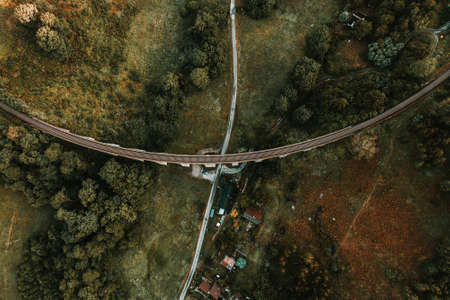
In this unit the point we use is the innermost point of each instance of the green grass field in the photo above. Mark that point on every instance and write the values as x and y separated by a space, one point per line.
268 50
18 221
166 235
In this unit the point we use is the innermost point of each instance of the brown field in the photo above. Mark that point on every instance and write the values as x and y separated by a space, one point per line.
387 215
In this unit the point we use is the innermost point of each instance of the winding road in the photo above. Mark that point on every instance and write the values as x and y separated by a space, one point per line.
223 151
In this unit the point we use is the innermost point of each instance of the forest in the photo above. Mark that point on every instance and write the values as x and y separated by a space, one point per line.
96 200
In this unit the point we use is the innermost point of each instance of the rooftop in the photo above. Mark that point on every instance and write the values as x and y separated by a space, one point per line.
228 262
215 291
254 215
204 287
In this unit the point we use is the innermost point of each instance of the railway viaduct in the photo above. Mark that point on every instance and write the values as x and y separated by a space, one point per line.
234 159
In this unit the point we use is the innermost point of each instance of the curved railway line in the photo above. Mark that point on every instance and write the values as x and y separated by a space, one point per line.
211 160
236 158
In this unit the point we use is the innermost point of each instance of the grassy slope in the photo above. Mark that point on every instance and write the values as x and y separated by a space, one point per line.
90 101
167 233
17 222
269 49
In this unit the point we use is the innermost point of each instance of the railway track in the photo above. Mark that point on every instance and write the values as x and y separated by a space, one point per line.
234 159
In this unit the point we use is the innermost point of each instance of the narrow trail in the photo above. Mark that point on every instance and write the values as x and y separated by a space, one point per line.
11 230
366 202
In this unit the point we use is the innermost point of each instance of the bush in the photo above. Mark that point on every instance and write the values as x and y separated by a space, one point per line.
422 68
26 13
48 39
200 78
302 115
48 19
306 73
259 9
318 43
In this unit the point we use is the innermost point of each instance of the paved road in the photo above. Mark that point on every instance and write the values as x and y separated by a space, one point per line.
198 248
213 160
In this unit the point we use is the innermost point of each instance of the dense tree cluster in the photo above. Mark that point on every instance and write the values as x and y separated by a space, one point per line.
259 9
205 51
310 106
65 35
95 203
49 33
293 274
394 17
433 132
435 274
383 55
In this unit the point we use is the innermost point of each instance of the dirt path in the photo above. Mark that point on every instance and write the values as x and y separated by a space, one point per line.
11 230
366 203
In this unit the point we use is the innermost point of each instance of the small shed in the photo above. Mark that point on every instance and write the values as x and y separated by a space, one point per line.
254 215
228 262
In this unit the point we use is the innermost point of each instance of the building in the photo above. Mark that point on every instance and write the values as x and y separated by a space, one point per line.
254 215
204 287
207 289
228 262
214 292
226 193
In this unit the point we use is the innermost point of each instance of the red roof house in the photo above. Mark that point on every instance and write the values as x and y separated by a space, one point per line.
228 262
254 215
204 287
215 291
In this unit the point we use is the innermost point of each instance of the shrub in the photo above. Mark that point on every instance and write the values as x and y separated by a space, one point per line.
26 13
421 68
50 41
200 78
363 146
318 43
305 73
259 9
48 19
302 114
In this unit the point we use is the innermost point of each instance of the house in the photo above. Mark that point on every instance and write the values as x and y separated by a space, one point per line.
208 289
254 215
215 291
228 262
204 287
